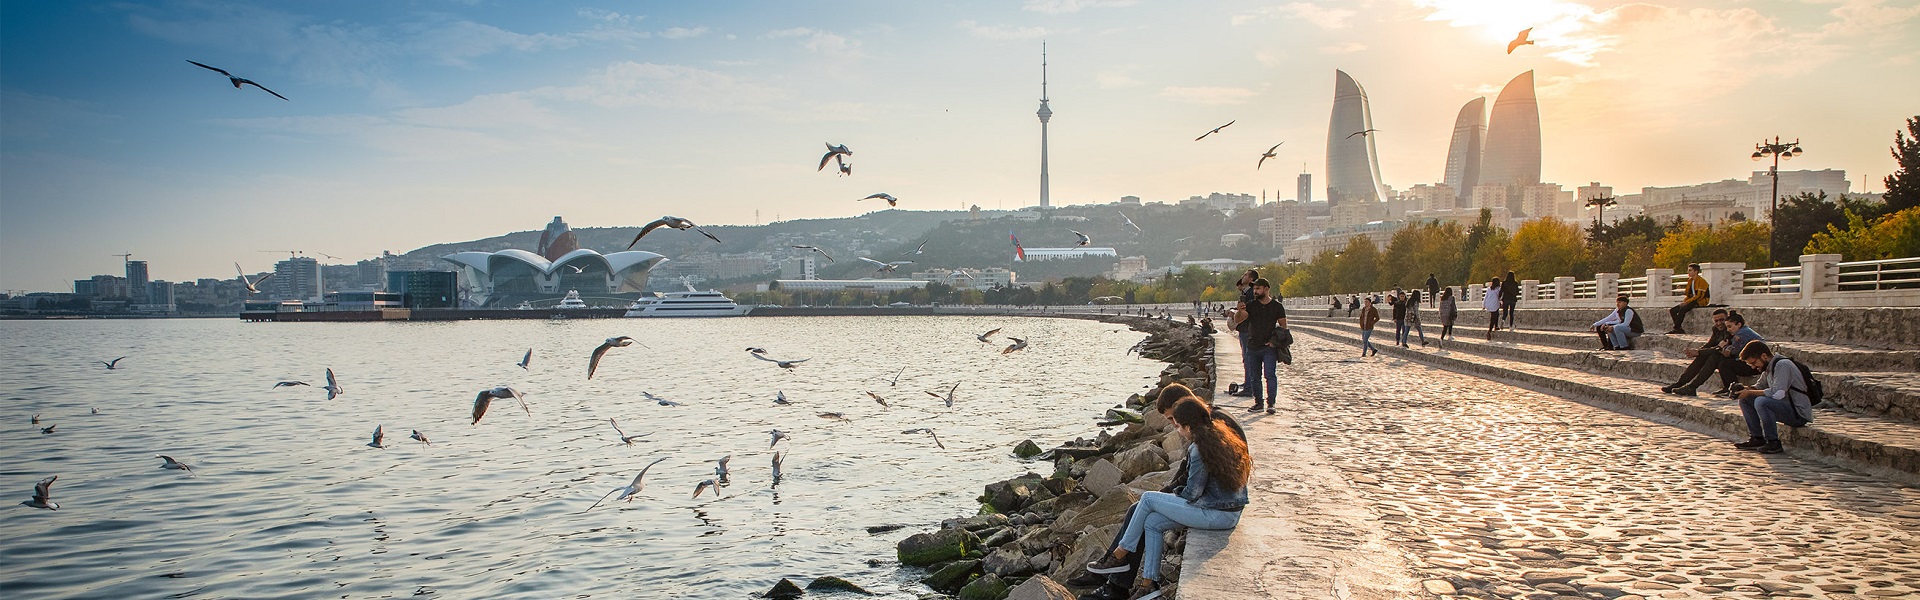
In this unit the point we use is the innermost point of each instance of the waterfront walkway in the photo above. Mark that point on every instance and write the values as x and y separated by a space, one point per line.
1386 478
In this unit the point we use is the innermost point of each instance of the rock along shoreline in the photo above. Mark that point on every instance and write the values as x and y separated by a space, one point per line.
1037 530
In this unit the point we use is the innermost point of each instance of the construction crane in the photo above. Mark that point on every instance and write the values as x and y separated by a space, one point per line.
123 257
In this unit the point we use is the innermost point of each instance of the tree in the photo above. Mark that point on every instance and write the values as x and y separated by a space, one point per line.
1357 267
1418 250
1312 279
1545 248
1490 258
1625 246
1743 242
1903 186
1477 236
1893 236
1799 217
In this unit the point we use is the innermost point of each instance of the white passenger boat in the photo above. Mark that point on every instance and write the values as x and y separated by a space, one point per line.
572 301
690 303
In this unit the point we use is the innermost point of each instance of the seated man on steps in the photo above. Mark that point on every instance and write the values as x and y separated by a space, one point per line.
1114 586
1784 400
1723 362
1616 329
1707 357
1697 297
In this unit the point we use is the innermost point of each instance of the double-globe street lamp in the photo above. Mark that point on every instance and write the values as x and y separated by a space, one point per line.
1778 151
1600 202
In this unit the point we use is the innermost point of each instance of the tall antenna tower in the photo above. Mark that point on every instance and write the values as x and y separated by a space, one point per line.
1046 114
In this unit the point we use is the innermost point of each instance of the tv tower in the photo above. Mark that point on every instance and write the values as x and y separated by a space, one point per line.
1045 115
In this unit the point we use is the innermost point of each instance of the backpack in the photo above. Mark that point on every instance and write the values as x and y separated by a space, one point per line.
1815 391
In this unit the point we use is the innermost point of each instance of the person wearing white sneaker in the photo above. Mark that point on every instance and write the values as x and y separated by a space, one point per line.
1218 468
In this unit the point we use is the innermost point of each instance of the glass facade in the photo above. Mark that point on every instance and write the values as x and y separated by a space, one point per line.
1513 136
1353 166
1463 154
425 289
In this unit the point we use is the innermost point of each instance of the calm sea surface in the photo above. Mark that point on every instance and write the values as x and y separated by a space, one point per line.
289 500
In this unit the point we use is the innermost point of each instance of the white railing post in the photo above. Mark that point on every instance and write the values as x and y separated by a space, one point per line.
1819 273
1725 281
1530 290
1473 292
1563 290
1606 286
1659 283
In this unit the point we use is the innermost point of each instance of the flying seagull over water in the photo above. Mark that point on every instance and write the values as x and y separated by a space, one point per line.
777 456
920 248
378 436
111 364
239 81
959 274
928 431
485 399
1018 345
835 416
1084 240
253 286
949 396
291 384
720 468
784 364
673 222
1520 40
627 492
756 350
659 400
1129 222
877 398
983 337
611 343
420 436
816 249
833 152
891 201
43 495
780 398
896 377
1266 155
173 464
1215 130
846 168
706 484
1361 133
48 429
777 436
884 267
525 360
333 387
624 438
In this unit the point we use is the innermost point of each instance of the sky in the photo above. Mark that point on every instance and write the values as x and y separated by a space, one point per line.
413 122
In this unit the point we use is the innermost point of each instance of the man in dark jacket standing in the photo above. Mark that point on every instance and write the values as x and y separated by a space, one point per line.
1266 321
1433 289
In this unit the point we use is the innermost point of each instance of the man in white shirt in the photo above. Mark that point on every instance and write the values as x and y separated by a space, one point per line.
1784 401
1616 330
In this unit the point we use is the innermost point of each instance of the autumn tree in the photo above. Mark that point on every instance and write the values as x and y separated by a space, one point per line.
1741 242
1357 267
1418 250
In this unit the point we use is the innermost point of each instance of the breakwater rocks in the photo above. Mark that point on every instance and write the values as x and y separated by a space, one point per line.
1034 531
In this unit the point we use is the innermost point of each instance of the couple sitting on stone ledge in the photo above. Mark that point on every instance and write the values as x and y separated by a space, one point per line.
1207 494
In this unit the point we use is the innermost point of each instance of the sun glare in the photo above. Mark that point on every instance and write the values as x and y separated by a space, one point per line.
1561 30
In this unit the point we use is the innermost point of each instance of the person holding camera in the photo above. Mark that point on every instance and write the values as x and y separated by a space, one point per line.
1267 336
1245 285
1784 400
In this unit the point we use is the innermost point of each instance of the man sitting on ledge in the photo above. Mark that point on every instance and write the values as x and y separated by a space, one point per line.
1725 361
1785 399
1697 297
1707 357
1617 328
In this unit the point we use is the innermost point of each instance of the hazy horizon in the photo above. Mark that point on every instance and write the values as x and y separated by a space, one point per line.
427 122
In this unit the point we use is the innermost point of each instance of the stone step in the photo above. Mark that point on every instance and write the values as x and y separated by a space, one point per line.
1885 328
1862 442
1894 395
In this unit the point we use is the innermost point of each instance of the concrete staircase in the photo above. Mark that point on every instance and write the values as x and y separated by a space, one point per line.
1870 421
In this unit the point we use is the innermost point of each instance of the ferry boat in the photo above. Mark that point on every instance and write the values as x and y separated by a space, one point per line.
690 303
572 301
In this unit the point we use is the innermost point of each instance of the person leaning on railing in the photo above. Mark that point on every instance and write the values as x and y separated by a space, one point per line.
1697 296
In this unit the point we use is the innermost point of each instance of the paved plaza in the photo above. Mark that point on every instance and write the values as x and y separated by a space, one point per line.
1475 488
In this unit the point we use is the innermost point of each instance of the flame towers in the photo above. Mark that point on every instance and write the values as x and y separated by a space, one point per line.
1353 167
1513 137
1463 154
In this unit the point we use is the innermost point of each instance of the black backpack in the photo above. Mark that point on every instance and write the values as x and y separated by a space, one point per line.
1815 391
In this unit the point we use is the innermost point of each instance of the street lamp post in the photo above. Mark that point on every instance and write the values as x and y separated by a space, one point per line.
1600 202
1778 151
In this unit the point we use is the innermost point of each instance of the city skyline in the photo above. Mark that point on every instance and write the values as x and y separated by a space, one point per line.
411 125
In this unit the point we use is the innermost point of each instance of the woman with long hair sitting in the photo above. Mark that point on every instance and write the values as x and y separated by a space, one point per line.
1217 471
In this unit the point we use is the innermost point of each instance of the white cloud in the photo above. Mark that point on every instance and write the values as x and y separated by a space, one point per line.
1208 95
455 42
1320 16
669 86
1347 48
1054 7
820 41
1002 32
609 17
1116 78
681 33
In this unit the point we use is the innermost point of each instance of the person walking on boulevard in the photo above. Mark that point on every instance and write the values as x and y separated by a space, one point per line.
1509 298
1449 312
1369 316
1490 300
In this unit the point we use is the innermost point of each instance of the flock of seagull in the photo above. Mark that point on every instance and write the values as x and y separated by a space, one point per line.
43 491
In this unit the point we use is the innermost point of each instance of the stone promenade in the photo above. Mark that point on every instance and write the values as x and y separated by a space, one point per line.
1382 478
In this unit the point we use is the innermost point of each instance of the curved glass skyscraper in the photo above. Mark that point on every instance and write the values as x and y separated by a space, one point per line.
1353 168
1513 136
1463 155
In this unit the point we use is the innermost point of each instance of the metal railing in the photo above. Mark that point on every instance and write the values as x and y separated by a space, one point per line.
1873 275
1777 280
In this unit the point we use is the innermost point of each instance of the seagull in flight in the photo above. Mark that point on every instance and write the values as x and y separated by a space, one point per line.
1018 345
659 400
1129 223
611 343
1215 130
777 456
525 360
784 364
720 468
420 436
671 222
928 431
846 168
816 249
1362 133
983 337
485 399
48 429
291 384
239 81
173 464
626 492
877 398
707 484
891 201
780 398
333 387
834 153
958 274
756 350
835 416
43 495
253 285
777 436
884 267
896 377
1084 240
36 419
919 249
1520 40
1266 155
624 438
111 364
949 396
378 436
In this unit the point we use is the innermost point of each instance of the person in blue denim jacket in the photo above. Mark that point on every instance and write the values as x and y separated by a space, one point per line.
1218 468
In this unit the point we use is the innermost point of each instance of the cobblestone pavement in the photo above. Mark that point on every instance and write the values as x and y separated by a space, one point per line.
1499 492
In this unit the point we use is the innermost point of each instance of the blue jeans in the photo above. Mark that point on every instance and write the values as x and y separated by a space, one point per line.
1156 513
1266 359
1399 332
1621 335
1247 366
1762 412
1366 342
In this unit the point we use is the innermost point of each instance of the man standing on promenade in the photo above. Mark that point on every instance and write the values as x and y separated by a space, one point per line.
1399 304
1433 288
1265 319
1697 296
1245 285
1509 298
